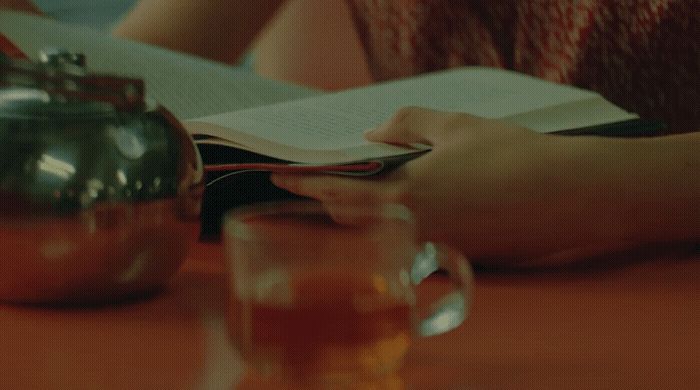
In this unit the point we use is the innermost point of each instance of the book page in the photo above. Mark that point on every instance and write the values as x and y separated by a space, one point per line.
188 86
572 115
337 121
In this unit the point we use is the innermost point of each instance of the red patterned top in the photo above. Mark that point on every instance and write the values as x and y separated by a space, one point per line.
640 54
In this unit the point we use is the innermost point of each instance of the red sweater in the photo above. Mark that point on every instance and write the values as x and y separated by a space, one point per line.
642 55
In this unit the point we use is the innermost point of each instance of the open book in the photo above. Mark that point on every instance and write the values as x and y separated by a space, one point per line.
245 123
328 129
226 106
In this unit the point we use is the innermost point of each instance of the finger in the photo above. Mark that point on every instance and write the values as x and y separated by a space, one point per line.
406 126
337 189
421 125
354 214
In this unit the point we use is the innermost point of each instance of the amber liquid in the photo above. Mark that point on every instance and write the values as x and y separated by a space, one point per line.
339 326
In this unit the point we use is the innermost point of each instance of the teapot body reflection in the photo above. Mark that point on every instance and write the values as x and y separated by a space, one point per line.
96 186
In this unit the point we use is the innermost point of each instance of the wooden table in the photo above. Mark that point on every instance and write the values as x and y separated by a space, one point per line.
635 325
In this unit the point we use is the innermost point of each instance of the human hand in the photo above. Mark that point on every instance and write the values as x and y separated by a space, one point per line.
503 194
485 187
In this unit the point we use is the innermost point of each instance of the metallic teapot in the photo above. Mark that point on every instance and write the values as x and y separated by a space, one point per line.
98 186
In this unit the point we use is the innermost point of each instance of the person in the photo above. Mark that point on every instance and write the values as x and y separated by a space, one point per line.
496 191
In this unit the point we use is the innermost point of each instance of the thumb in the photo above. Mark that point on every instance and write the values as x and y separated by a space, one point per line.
410 125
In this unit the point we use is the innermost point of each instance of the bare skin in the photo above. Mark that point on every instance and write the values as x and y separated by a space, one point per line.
308 42
501 193
495 191
313 43
216 29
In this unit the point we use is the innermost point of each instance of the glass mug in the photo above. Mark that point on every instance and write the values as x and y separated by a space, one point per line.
326 293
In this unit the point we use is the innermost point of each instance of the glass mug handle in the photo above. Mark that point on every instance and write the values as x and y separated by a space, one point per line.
449 311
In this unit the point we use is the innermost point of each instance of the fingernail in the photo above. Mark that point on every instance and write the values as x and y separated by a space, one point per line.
369 131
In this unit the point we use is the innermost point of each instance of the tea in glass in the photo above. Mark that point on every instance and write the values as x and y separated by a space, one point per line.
325 293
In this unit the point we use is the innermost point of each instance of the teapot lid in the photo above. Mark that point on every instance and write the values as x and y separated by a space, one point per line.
59 86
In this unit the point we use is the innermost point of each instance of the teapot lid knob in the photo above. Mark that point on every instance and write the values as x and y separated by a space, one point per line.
63 75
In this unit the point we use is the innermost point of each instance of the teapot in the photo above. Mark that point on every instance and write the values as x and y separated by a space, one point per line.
99 185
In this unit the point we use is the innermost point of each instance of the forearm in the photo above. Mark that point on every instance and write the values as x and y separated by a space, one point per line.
217 29
614 192
660 180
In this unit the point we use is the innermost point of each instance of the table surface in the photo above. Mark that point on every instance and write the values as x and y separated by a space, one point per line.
632 325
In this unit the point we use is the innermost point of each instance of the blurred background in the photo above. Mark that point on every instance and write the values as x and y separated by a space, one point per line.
101 14
344 68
